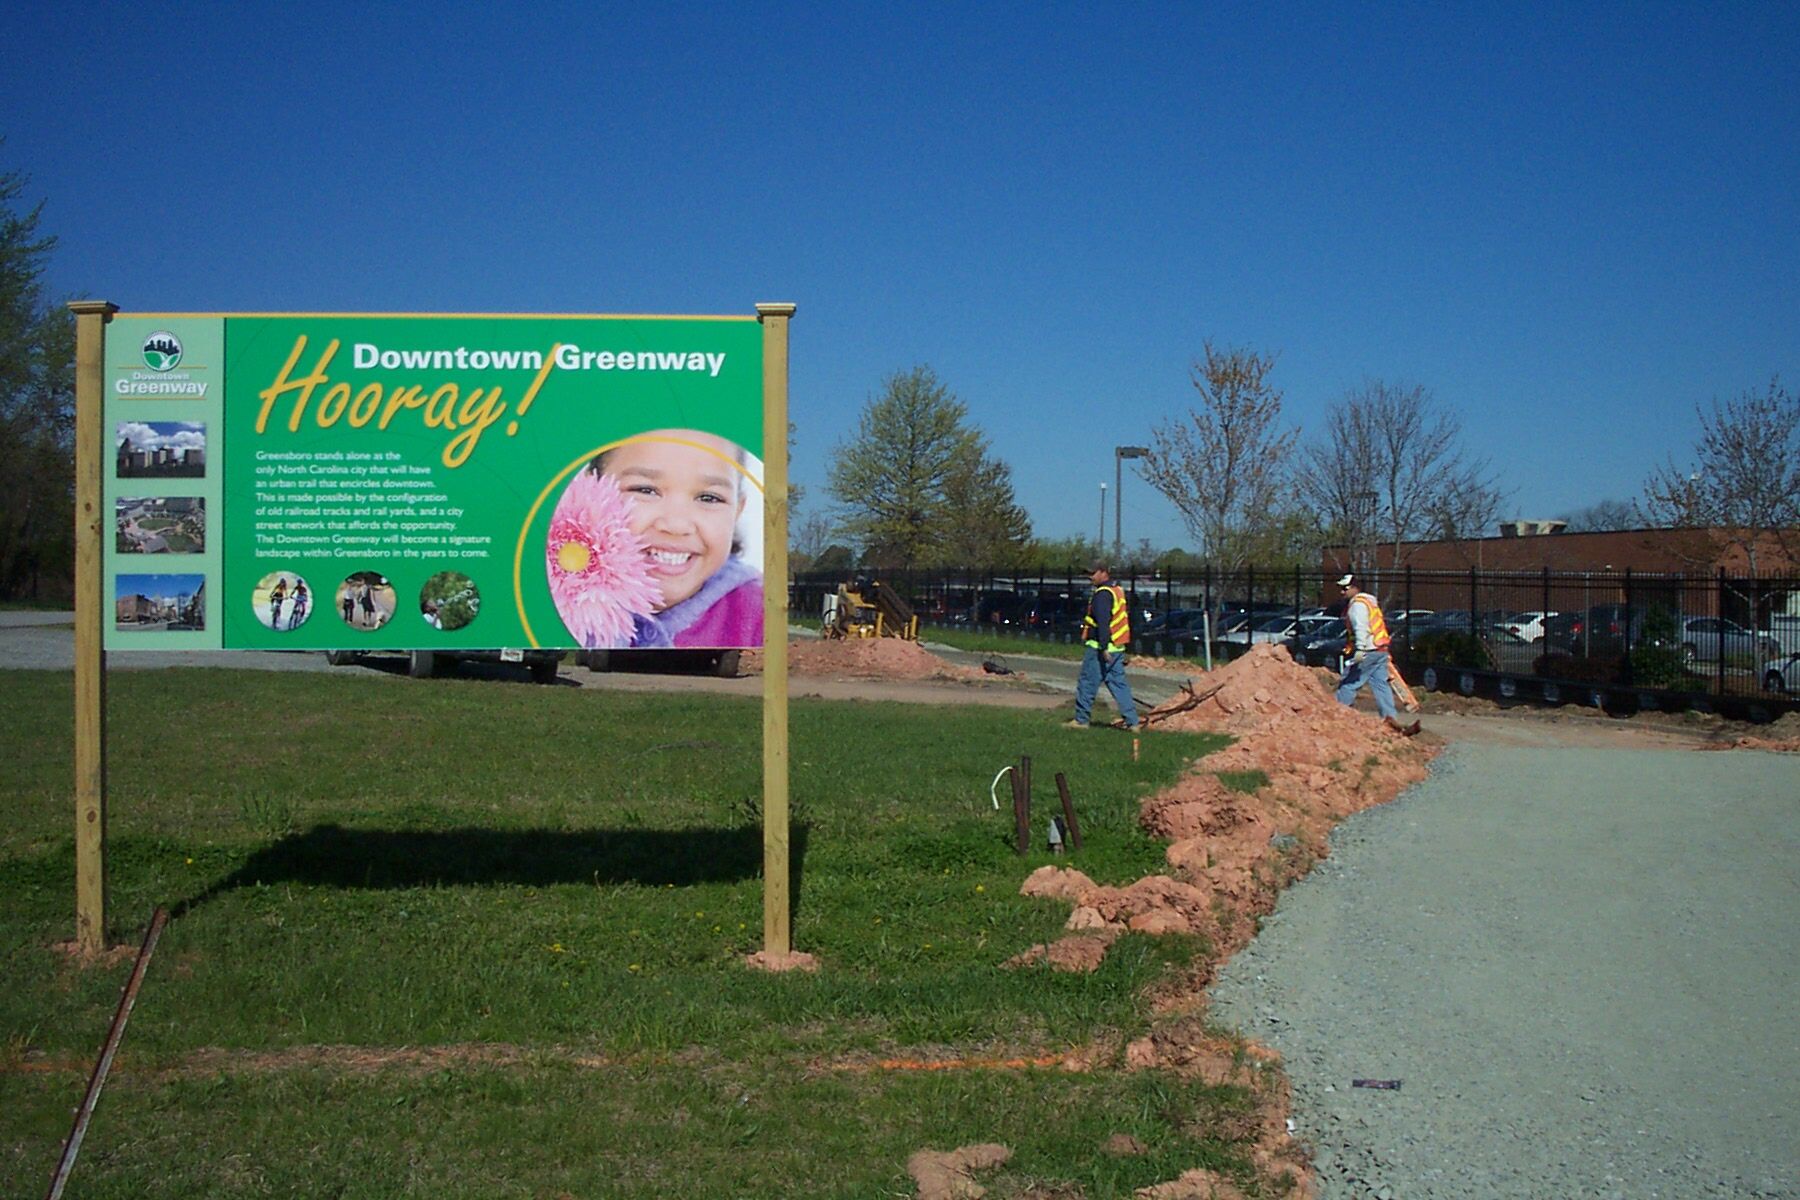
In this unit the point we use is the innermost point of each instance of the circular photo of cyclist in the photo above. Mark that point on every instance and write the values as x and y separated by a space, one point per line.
281 600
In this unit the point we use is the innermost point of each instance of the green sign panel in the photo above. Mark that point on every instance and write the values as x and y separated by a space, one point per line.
412 482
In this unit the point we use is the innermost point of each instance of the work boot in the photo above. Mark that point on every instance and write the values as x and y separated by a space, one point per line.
1403 730
1075 724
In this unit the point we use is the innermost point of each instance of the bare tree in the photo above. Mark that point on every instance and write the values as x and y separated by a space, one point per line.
1744 484
1225 466
812 533
1466 509
1605 516
1392 462
1335 479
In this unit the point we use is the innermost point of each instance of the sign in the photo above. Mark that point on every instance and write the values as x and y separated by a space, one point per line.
312 482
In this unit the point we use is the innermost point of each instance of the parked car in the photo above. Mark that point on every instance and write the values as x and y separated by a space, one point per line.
1177 622
1785 629
946 608
1607 628
1446 620
1000 608
1268 629
1705 639
723 663
1321 646
1528 625
1056 610
421 664
1782 675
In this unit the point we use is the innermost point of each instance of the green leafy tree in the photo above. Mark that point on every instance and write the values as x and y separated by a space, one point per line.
917 486
984 525
37 409
1054 556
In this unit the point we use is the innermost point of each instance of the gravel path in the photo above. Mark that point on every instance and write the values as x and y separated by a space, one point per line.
1581 964
43 641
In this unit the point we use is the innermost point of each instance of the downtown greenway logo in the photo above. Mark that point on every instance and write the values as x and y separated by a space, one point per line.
162 351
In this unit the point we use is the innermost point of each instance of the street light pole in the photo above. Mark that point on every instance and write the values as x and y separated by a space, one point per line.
1100 542
1120 454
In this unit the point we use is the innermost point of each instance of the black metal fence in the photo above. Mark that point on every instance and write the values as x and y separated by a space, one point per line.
1608 638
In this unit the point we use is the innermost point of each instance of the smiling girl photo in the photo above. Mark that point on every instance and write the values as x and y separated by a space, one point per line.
656 543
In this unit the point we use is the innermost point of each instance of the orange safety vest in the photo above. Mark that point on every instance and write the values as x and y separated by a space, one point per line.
1378 631
1120 633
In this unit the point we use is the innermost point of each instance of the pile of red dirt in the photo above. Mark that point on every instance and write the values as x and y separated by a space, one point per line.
1301 762
1781 735
870 658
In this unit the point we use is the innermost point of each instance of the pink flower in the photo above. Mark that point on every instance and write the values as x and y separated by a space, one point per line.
599 575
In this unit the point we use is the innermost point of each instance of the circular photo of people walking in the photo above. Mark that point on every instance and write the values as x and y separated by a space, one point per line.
449 600
366 600
281 600
658 542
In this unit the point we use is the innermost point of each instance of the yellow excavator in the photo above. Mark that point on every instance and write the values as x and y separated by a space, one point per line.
868 609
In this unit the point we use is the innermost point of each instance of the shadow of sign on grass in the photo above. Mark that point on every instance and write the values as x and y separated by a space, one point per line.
333 856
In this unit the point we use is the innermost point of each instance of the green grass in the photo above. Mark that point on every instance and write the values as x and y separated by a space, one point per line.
982 641
571 877
1244 781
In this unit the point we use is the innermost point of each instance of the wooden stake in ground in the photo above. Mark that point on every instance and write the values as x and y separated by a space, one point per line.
1021 810
777 928
91 317
1068 807
115 1034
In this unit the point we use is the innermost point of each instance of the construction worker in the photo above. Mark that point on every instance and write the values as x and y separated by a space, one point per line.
1366 654
1105 631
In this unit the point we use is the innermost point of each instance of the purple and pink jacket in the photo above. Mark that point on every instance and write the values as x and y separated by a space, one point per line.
727 612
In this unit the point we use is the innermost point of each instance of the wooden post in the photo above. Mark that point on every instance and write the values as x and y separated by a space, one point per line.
1025 792
91 317
1068 807
1021 810
777 924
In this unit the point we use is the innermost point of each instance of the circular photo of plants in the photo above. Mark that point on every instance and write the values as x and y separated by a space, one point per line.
449 600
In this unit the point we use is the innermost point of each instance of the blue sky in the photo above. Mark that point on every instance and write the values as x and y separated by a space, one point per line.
1571 222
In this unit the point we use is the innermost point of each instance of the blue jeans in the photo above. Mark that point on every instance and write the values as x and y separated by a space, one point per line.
1112 673
1370 667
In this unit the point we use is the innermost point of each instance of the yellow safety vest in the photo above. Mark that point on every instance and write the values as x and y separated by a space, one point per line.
1120 633
1378 631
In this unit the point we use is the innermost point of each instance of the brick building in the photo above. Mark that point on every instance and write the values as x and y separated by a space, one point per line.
1644 551
1681 567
